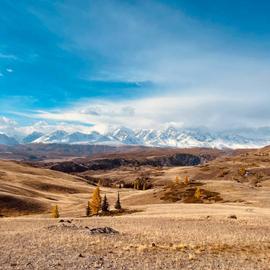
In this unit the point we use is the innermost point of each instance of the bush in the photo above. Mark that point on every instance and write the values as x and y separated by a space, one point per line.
242 171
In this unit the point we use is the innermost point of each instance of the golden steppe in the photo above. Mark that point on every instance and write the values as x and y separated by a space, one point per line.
233 233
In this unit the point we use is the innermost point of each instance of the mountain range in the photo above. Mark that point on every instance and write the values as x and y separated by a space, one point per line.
169 137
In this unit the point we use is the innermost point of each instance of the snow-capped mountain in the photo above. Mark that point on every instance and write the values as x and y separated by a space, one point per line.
6 140
54 137
61 136
32 137
125 136
169 137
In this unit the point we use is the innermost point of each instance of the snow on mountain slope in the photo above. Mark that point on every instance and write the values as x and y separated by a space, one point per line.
32 137
169 137
125 136
6 140
61 136
54 137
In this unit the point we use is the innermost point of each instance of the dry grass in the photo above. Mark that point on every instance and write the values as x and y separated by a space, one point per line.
174 236
154 234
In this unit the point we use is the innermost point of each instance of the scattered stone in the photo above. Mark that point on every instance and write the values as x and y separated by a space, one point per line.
105 230
232 216
80 255
153 245
67 221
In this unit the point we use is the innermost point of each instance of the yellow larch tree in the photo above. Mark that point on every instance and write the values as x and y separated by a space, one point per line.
186 180
177 180
95 204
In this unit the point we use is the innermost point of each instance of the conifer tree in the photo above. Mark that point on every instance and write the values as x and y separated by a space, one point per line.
88 209
96 201
118 203
105 205
55 212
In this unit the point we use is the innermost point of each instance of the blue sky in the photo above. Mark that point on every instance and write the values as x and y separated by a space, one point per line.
135 63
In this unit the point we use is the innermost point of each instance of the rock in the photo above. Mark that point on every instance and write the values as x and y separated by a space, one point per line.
153 244
62 221
81 256
105 230
232 216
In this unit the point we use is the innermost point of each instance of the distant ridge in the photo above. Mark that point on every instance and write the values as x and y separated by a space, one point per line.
169 137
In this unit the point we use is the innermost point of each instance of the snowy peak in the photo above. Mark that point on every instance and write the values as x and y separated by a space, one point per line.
32 137
54 137
125 136
6 140
169 137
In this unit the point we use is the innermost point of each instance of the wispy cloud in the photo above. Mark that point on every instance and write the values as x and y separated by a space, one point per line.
8 56
212 111
202 74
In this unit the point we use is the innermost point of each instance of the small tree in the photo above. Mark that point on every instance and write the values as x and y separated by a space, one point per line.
88 210
118 203
55 212
197 194
177 180
144 186
186 181
96 201
105 205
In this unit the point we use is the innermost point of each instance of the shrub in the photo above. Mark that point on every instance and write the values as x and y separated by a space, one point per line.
96 201
242 171
55 212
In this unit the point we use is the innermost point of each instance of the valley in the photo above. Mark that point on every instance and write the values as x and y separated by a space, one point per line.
164 224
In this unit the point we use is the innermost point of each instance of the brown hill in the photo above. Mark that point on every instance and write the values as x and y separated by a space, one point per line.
25 189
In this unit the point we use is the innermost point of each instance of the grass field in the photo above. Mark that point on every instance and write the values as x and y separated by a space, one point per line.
230 234
167 236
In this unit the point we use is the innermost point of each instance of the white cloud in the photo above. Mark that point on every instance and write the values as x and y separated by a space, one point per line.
5 121
7 56
212 111
10 70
